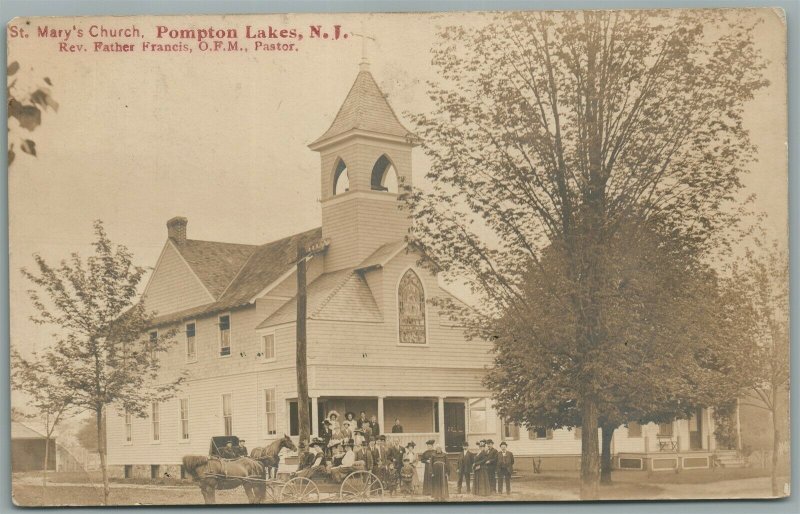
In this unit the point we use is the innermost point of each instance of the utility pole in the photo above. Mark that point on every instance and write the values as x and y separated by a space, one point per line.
303 414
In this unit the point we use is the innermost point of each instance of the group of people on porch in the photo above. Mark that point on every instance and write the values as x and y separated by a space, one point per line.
356 444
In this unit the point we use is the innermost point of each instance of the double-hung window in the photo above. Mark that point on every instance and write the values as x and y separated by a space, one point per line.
191 345
225 335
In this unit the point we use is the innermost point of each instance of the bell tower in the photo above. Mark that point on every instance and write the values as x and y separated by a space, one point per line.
365 155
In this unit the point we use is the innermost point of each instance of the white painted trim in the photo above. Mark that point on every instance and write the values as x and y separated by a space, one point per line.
158 262
387 260
263 357
181 440
160 422
397 309
219 335
222 412
278 281
360 194
263 413
352 133
186 342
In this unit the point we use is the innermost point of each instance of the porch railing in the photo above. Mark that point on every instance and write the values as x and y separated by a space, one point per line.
419 438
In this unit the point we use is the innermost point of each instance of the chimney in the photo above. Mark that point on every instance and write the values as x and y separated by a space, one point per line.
176 229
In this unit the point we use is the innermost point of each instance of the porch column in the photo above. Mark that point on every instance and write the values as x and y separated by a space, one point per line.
314 416
441 421
381 421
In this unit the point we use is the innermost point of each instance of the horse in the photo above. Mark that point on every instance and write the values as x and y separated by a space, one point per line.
270 456
215 473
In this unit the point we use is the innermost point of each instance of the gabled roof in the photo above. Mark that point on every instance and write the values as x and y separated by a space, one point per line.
338 295
262 266
20 431
382 255
215 264
365 108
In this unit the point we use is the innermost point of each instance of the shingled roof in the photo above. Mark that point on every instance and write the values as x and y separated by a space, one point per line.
242 271
365 108
338 295
215 264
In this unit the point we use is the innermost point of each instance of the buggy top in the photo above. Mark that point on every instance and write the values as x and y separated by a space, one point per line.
219 442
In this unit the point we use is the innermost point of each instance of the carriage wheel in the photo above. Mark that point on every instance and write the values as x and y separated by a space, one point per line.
272 494
361 486
300 490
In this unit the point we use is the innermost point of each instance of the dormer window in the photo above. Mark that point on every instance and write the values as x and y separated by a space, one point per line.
341 180
411 309
384 176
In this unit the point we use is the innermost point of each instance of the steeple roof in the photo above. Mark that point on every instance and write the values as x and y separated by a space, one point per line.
365 108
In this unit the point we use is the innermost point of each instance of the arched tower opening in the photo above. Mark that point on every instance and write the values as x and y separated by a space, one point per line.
341 180
384 175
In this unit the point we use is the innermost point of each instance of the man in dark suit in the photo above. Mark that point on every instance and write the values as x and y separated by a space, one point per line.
491 465
379 454
365 454
505 466
464 466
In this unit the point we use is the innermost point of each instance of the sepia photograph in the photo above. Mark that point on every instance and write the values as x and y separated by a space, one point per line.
513 256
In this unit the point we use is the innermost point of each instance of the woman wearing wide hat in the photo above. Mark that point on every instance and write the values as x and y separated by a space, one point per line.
411 456
427 459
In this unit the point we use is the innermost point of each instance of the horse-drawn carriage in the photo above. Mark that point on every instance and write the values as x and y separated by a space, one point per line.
220 471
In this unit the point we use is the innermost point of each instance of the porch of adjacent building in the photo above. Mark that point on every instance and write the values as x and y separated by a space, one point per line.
444 419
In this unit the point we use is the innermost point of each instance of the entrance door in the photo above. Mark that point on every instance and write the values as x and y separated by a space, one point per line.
454 426
696 430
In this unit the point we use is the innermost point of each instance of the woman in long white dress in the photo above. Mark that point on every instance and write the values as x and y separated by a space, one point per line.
411 455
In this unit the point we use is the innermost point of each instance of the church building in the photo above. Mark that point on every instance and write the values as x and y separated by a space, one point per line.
376 343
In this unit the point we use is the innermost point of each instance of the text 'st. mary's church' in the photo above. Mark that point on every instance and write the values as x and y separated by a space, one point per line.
376 343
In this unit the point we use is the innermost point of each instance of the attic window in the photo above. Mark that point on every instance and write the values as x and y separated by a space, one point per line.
384 176
341 181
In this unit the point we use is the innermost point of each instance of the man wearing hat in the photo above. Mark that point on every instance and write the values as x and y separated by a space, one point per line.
505 466
338 473
491 465
364 454
379 453
464 465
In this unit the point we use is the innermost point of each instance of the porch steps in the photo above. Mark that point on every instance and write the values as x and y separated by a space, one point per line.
731 460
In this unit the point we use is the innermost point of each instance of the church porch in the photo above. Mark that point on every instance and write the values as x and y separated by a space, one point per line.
444 419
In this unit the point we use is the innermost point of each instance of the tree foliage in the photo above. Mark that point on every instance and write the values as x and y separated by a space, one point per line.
558 142
100 357
26 105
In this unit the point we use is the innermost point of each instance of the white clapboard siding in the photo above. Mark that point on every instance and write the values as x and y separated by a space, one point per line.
174 286
205 418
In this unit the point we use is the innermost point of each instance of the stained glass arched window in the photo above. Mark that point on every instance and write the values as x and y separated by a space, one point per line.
411 309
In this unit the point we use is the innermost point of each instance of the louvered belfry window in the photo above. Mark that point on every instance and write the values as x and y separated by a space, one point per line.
411 309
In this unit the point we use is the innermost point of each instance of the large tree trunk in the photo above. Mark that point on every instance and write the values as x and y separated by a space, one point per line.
590 460
605 460
101 449
775 444
301 364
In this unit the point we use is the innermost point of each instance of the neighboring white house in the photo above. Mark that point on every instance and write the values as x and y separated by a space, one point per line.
375 342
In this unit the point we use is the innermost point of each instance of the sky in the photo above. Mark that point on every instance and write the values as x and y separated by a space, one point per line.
221 138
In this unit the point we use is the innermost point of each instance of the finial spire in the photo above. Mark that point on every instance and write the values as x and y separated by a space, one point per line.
364 64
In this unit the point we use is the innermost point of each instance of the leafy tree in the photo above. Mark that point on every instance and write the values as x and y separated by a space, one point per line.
762 279
26 107
99 357
87 434
45 392
554 132
665 317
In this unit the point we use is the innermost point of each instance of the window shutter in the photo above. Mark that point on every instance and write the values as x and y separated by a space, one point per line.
549 433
